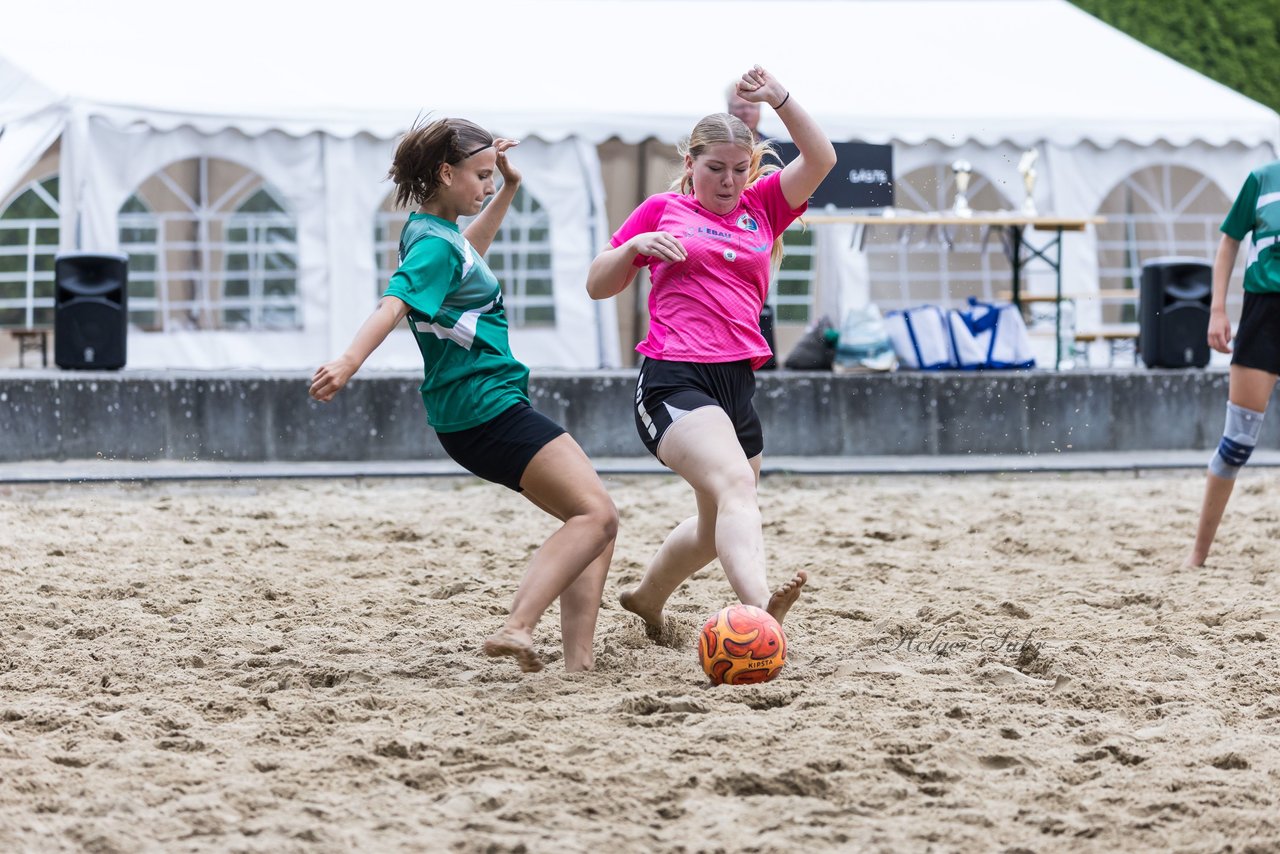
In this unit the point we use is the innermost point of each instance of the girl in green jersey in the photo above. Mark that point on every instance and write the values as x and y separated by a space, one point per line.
476 394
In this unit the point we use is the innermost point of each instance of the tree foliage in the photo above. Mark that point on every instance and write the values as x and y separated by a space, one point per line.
1236 43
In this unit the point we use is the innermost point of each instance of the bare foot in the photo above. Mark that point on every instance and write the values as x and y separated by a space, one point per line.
785 596
1195 560
654 621
518 645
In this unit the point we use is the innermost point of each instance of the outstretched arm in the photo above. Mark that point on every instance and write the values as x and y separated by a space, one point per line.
816 154
332 376
1219 324
481 232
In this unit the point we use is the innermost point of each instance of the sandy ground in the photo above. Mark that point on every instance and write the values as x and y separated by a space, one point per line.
980 664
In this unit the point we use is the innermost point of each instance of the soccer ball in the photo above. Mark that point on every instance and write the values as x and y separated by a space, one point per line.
740 645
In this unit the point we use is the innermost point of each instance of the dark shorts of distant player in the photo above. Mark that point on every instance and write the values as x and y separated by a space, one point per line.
665 391
1257 341
500 449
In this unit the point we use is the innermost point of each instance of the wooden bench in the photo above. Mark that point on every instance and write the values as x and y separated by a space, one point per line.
1117 336
33 338
1110 295
1121 335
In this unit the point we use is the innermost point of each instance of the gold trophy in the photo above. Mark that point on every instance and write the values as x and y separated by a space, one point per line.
1027 166
963 174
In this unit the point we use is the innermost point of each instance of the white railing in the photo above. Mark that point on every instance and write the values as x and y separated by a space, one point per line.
189 283
27 250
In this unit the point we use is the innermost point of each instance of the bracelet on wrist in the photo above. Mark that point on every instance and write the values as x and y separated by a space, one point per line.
783 102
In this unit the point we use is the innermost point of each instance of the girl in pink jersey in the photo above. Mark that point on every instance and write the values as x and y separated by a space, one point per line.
710 246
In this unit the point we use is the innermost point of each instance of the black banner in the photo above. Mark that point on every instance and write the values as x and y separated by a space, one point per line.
862 177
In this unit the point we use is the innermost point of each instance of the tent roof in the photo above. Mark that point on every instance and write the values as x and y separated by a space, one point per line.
21 94
1022 71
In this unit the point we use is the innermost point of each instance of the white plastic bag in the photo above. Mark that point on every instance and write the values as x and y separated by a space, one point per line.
864 343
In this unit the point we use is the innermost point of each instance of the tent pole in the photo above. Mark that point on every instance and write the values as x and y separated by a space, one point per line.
642 193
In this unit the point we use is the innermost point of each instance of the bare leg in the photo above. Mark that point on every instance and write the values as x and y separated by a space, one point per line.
702 447
1251 389
579 608
1217 491
687 549
560 480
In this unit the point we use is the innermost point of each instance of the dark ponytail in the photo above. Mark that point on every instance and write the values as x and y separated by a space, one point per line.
415 169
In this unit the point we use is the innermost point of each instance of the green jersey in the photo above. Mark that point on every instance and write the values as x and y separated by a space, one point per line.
456 314
1257 210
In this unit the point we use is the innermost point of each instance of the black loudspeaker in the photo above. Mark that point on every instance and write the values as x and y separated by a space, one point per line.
766 329
1173 312
90 311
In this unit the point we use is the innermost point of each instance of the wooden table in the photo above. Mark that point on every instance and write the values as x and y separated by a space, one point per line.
1012 225
34 338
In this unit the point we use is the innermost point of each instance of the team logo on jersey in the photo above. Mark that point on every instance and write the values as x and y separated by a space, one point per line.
729 255
746 223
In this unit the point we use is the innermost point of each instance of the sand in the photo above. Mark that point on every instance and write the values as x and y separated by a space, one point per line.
979 664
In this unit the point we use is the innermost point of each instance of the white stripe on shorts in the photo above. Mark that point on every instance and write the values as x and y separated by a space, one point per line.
644 415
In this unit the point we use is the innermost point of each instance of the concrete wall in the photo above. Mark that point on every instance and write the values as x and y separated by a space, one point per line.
136 415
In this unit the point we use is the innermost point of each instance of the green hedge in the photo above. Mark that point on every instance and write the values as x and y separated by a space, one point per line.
1235 43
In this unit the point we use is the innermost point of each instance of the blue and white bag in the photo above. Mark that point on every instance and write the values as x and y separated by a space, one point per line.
989 335
921 338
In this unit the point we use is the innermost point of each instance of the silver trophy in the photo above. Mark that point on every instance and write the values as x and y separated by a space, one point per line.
1027 166
963 174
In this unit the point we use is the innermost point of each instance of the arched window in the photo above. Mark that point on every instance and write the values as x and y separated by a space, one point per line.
260 290
1154 212
520 257
944 265
28 244
211 246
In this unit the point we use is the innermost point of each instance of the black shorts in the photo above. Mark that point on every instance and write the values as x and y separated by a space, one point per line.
499 450
1257 342
665 391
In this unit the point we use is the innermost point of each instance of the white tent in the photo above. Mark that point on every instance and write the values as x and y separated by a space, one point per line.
314 102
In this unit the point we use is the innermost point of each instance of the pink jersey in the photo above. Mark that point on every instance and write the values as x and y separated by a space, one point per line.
707 307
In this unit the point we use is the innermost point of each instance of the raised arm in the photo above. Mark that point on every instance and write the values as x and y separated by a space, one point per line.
816 155
332 376
1219 323
481 232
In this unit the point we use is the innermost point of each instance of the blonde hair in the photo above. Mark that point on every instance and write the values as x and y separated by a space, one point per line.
720 128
